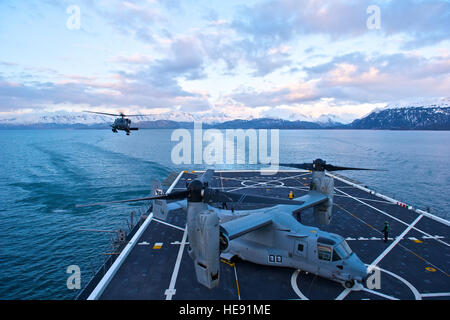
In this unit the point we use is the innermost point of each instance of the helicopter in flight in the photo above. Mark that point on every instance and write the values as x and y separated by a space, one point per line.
121 123
269 236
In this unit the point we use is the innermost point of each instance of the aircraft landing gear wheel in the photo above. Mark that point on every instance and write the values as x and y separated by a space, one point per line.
349 284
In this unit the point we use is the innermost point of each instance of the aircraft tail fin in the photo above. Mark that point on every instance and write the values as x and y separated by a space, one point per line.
160 209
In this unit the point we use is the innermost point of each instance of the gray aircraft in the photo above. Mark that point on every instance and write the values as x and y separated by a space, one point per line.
121 123
269 236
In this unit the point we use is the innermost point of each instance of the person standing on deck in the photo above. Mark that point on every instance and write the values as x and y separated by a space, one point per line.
386 231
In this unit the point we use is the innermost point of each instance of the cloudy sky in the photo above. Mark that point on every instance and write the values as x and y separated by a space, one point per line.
241 59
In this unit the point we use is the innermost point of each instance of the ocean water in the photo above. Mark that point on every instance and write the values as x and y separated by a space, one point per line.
44 173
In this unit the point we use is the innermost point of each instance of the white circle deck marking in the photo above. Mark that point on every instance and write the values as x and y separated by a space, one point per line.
295 286
253 184
416 293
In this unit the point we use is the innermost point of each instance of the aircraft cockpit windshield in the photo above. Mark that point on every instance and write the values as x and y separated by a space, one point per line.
343 250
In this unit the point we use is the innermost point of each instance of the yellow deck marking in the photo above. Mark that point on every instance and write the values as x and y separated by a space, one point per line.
157 245
233 265
356 217
238 292
227 262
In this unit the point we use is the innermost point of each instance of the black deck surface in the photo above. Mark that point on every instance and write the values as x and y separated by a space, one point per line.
415 267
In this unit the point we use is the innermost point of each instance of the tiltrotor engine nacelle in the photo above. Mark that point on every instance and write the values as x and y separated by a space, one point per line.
325 185
203 233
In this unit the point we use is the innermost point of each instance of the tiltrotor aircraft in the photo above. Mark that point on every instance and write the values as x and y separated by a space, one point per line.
268 236
121 123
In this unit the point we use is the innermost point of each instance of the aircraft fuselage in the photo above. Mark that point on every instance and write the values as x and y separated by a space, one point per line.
288 243
122 124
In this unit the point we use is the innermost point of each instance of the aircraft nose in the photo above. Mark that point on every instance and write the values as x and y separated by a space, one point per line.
363 271
359 268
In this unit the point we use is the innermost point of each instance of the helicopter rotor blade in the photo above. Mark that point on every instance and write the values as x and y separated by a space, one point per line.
108 114
178 195
322 166
304 166
330 167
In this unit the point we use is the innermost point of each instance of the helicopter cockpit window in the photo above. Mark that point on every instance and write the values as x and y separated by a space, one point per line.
336 256
343 249
324 252
326 241
346 247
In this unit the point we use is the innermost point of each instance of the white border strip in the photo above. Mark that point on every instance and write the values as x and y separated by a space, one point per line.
175 182
437 294
101 286
171 291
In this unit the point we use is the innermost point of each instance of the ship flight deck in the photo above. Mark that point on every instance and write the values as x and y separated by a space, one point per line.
414 263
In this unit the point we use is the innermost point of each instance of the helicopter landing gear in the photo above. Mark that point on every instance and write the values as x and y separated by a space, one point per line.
349 284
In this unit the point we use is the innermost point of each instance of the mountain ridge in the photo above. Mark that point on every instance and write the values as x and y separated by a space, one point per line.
432 116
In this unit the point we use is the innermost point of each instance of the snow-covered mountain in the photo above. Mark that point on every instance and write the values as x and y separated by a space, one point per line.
59 119
422 115
82 119
431 115
422 103
332 120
